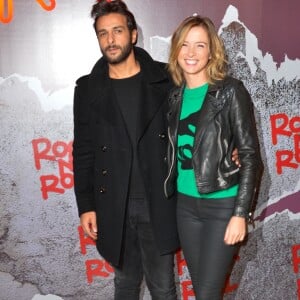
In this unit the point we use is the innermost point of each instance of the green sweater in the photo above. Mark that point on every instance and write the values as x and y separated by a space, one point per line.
186 182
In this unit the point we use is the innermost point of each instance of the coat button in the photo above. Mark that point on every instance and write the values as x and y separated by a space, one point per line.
162 135
102 190
103 148
104 172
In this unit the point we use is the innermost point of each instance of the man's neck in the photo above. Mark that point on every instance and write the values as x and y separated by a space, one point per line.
124 69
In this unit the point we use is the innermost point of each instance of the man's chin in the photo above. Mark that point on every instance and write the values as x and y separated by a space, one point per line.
117 57
113 60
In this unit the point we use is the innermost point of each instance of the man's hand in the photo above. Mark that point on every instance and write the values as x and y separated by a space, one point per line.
235 157
236 230
89 224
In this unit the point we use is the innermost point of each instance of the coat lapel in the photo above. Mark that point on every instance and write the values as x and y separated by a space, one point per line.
154 92
103 99
152 98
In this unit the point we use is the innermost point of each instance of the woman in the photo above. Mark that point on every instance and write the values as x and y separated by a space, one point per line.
210 115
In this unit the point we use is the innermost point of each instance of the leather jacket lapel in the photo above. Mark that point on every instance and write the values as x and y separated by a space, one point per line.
210 108
175 102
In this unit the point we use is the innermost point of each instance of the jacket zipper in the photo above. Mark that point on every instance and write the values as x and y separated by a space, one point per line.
172 162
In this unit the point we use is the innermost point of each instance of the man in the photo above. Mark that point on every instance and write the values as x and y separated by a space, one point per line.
119 152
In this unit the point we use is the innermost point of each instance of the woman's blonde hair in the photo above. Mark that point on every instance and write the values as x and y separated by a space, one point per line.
217 66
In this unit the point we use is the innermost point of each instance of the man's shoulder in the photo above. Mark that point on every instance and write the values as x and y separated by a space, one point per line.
150 65
83 80
98 69
160 73
161 64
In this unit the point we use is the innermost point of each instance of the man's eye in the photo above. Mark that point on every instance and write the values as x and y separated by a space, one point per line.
102 34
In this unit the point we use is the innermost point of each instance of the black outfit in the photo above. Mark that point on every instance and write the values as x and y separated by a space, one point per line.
201 226
225 122
128 94
119 159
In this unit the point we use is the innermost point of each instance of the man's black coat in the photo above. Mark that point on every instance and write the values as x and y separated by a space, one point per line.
102 155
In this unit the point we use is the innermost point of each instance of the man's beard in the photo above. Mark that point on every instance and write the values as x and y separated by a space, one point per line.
125 52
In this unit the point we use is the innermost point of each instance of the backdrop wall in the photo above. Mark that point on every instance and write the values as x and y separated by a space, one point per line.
45 47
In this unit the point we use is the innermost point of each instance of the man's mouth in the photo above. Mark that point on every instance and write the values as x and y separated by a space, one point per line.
112 49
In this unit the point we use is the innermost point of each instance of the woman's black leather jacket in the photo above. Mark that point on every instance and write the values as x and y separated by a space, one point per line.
226 121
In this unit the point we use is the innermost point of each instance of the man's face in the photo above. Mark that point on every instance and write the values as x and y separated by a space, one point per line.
115 40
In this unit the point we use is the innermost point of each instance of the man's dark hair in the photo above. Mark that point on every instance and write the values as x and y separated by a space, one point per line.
105 7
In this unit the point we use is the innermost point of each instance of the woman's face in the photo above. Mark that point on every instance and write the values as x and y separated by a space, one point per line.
194 54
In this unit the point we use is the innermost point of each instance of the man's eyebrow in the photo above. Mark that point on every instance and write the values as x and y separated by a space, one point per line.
119 27
115 27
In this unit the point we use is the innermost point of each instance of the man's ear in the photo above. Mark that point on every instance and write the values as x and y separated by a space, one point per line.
134 36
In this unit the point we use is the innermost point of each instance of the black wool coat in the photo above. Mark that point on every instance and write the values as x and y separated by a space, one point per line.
102 155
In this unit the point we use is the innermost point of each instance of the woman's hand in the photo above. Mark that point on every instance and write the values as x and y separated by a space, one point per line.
236 230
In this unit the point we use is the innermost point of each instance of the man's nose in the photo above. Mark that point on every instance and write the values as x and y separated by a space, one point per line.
110 37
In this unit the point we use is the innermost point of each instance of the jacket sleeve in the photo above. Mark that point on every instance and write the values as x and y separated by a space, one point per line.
83 154
246 140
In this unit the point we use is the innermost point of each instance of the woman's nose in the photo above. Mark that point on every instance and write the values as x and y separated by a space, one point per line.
191 51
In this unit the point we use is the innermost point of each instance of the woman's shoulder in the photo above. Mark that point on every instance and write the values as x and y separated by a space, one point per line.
232 81
228 84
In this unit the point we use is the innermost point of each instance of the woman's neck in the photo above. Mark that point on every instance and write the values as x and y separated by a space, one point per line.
195 80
